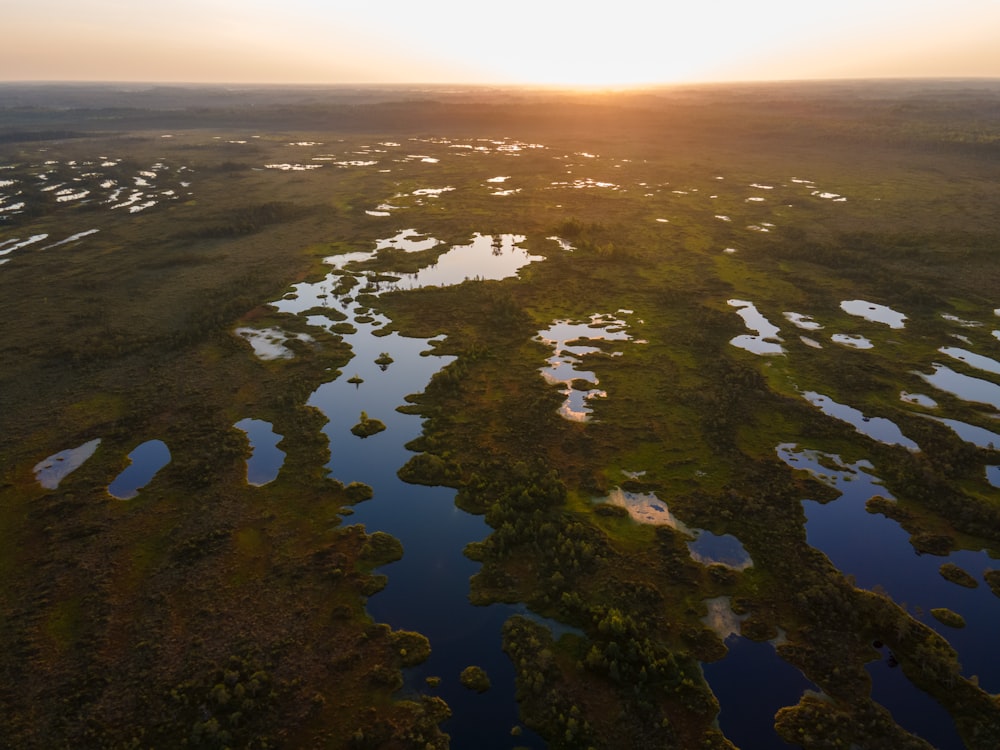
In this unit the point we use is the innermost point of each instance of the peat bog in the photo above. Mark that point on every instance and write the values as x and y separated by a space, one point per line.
679 417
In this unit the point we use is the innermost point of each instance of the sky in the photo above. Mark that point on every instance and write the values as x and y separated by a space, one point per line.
611 43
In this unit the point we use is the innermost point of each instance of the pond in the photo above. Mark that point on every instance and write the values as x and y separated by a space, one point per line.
877 553
428 590
50 471
266 458
874 313
877 428
752 683
965 387
567 340
147 459
766 340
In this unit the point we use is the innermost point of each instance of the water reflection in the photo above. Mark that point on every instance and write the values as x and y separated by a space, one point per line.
766 341
724 549
877 553
146 460
751 683
266 458
965 387
52 470
877 428
563 336
874 313
646 507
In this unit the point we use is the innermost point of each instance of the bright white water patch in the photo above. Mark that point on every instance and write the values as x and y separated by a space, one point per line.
877 428
567 341
829 196
266 458
293 167
918 399
828 468
409 240
721 619
13 207
585 184
350 163
498 179
805 322
965 387
993 475
757 228
722 217
269 343
145 461
853 340
874 313
645 507
6 183
810 342
961 321
970 433
378 213
487 257
563 244
663 221
729 250
305 143
432 192
766 341
72 238
986 364
755 199
724 549
761 187
23 243
511 191
52 470
141 207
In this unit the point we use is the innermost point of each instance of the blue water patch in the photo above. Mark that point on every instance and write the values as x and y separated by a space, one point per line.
751 683
911 707
147 459
877 553
719 548
265 459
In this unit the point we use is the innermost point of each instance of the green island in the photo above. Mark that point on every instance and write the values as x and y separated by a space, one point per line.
723 339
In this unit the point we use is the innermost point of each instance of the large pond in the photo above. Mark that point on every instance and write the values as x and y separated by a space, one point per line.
877 553
428 590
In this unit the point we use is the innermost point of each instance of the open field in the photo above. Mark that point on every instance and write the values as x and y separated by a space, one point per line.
707 366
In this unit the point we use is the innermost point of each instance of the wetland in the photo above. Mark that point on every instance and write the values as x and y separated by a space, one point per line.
602 491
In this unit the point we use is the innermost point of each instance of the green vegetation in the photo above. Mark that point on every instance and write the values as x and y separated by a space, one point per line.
946 617
953 573
475 678
367 427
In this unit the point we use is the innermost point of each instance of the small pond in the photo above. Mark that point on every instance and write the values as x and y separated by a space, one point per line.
146 460
266 458
52 470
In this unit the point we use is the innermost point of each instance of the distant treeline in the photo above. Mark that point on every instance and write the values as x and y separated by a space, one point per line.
25 136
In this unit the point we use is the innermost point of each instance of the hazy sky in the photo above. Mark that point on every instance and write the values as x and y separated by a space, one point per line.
611 42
